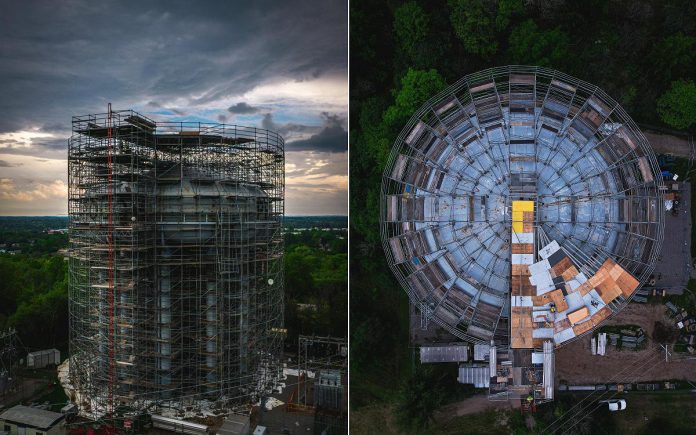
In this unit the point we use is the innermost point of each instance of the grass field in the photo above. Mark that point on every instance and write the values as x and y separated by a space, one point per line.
484 423
664 413
380 419
661 413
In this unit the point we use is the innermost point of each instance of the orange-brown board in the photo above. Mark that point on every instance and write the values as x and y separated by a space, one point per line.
607 289
582 327
522 248
584 288
521 327
561 325
578 315
600 315
627 283
520 269
559 300
563 265
569 273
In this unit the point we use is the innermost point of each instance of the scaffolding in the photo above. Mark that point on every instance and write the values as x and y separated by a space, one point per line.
316 355
10 350
506 134
176 262
322 383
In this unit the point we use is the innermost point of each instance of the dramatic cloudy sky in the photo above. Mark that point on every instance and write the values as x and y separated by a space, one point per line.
280 65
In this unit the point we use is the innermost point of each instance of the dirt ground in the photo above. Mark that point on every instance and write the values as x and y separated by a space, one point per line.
28 388
668 144
576 365
377 419
471 405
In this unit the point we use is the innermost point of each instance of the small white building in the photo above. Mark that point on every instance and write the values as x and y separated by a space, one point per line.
43 358
31 421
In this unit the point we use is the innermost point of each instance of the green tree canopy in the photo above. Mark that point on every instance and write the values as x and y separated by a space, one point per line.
417 86
677 106
507 9
378 130
34 299
419 398
477 22
410 26
530 45
672 56
317 280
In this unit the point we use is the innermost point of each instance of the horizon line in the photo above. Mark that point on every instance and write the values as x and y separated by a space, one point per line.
65 215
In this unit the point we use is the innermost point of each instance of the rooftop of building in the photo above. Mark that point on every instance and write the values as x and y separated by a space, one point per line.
34 417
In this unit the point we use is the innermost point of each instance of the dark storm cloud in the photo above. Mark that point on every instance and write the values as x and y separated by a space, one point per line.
72 57
286 130
332 138
52 148
242 109
157 105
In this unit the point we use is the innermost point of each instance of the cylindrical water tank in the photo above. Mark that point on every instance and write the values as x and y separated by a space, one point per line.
193 212
165 379
165 301
165 332
210 346
164 348
164 363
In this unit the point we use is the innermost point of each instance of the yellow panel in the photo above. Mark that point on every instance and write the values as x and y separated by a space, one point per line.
518 209
522 205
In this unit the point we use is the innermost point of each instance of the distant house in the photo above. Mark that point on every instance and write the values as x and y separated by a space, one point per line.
306 307
31 421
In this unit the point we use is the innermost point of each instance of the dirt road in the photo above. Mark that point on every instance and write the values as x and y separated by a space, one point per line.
576 365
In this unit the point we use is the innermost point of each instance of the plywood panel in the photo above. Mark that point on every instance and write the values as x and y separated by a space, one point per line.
528 227
522 248
585 288
521 326
561 325
582 327
608 290
578 315
538 343
569 273
563 265
627 283
559 300
520 269
600 315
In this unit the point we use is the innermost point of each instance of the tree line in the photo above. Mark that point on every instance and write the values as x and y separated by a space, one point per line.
34 289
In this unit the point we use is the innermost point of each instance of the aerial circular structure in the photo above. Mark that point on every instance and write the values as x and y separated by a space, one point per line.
521 190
